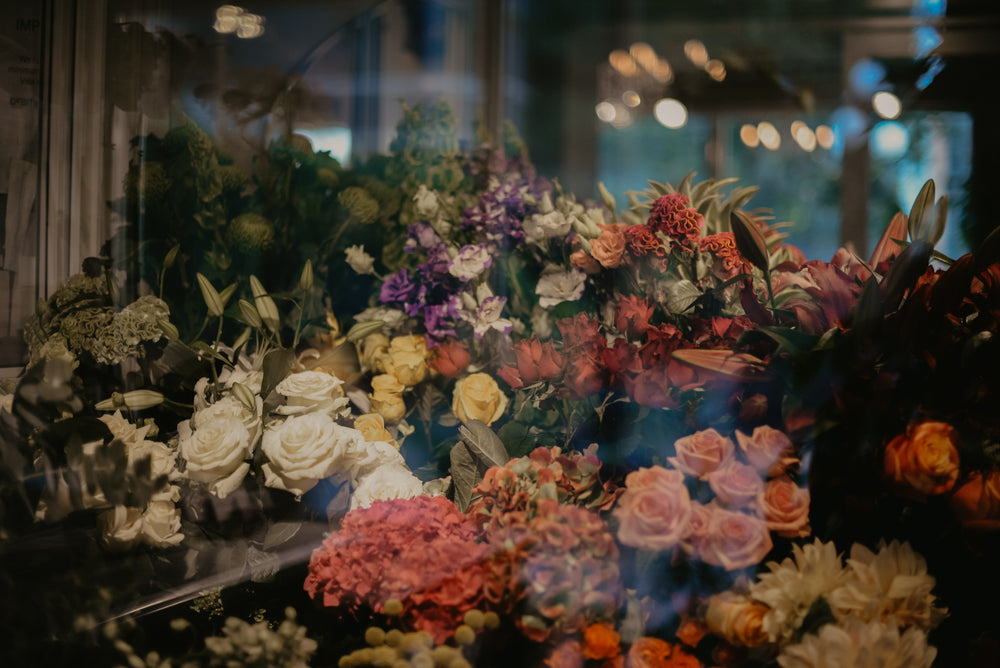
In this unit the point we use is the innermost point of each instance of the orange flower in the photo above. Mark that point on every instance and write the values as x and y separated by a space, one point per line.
601 641
567 654
977 502
649 653
924 460
691 631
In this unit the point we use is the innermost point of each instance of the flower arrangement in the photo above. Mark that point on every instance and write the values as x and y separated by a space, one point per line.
551 432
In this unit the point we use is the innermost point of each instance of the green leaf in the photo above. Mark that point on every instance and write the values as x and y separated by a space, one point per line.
463 475
277 364
681 295
211 296
484 445
790 340
279 533
868 309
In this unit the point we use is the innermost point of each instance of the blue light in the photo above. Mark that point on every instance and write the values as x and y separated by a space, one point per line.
890 140
849 125
934 67
925 40
929 8
865 76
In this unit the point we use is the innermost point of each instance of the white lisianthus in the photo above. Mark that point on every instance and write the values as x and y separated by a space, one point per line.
558 287
385 483
304 449
123 429
488 312
161 522
311 391
215 453
231 407
426 203
121 526
470 262
542 226
360 261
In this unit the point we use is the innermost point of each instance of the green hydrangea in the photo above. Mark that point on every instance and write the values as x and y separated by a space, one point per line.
359 204
233 178
250 233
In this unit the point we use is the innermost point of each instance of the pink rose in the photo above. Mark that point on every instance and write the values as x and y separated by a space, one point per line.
786 508
580 259
697 529
768 450
735 540
608 247
702 452
653 512
737 484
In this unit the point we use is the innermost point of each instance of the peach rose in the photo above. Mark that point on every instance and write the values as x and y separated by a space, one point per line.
736 484
649 653
372 428
609 247
924 460
601 641
387 397
654 511
768 450
977 502
580 259
702 452
734 540
737 619
786 508
478 397
698 525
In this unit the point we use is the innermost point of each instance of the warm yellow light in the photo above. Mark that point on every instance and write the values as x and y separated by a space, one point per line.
622 62
643 54
605 111
662 71
748 135
805 138
696 52
768 135
716 69
886 105
631 98
824 136
671 113
623 118
796 126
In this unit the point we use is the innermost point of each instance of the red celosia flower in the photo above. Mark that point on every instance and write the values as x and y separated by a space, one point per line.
450 358
727 261
665 209
632 314
641 240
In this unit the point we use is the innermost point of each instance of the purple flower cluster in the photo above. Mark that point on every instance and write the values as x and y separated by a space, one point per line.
498 215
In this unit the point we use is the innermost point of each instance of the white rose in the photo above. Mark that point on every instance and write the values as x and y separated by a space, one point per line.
311 391
120 526
162 458
216 453
385 483
375 455
231 407
161 523
304 449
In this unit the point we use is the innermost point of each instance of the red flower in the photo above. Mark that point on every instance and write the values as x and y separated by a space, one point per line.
665 209
620 360
537 361
632 314
641 240
727 261
581 332
660 344
584 376
450 358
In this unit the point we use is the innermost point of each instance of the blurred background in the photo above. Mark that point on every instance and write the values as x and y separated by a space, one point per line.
838 109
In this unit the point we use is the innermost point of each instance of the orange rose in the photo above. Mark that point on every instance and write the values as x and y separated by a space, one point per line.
786 508
977 502
691 631
924 460
737 619
609 247
768 449
450 358
580 259
601 641
649 653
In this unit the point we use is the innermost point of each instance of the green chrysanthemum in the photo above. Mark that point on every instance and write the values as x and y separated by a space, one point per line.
148 181
250 233
232 177
359 204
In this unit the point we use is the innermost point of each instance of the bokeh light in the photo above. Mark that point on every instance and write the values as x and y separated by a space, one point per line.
886 105
671 113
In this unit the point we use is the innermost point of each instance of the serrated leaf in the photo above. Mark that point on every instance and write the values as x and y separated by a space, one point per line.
279 533
211 296
919 211
277 363
484 445
681 295
660 189
463 475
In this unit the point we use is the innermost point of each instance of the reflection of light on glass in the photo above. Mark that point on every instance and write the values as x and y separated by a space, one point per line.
622 62
805 138
716 69
824 136
662 71
768 135
929 8
643 54
605 111
671 113
865 76
233 19
250 26
226 20
925 40
934 67
622 117
335 140
796 126
696 52
889 140
748 135
631 98
849 124
886 105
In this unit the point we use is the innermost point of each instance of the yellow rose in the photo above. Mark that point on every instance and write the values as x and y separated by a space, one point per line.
374 349
737 619
478 397
387 398
372 428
